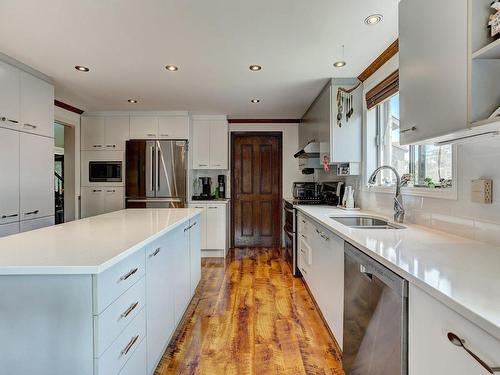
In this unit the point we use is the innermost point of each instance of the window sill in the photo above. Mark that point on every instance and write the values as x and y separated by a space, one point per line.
448 193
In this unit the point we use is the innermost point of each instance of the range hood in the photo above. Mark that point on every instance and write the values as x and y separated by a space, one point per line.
310 151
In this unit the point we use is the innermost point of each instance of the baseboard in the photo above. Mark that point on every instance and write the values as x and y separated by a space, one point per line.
212 253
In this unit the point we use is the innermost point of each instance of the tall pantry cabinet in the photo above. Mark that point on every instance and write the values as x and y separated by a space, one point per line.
26 151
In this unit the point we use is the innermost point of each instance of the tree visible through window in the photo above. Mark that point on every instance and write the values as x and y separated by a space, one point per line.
423 165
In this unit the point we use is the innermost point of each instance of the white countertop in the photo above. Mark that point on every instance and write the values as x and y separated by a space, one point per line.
463 274
87 246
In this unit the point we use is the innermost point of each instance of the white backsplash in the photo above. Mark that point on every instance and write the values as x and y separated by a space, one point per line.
461 217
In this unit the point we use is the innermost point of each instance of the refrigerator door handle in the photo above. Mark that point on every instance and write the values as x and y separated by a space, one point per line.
151 182
158 158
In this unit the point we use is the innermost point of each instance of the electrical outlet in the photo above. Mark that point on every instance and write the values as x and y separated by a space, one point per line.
481 190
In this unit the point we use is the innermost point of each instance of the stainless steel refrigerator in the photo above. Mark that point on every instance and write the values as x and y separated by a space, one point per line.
155 174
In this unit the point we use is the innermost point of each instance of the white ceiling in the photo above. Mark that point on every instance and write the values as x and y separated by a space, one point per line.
126 44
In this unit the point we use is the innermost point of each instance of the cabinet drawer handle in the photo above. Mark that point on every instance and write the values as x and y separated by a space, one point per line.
303 221
155 253
151 135
412 129
96 191
110 146
216 165
302 251
31 126
32 212
304 236
7 216
131 343
110 191
96 146
202 165
3 119
129 310
212 208
164 135
128 274
303 270
457 341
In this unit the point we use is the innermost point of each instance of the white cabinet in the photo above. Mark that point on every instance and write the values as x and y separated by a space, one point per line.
9 176
454 68
430 351
321 261
9 96
202 222
216 226
195 252
100 200
159 297
36 180
213 223
36 106
143 127
27 225
104 133
116 132
182 269
8 229
173 127
210 144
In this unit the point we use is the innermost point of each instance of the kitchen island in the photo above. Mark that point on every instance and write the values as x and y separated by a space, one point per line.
102 295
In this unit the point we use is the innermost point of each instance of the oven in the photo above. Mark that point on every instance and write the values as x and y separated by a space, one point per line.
290 228
105 171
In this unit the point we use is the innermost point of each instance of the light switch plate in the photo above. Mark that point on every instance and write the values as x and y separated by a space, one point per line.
481 190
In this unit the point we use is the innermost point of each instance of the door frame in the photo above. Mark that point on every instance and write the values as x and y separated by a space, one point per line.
274 134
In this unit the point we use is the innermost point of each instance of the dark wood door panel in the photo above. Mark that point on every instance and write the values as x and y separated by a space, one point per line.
256 189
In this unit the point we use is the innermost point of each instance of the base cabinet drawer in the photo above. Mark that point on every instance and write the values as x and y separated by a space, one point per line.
115 357
112 321
136 365
430 350
111 284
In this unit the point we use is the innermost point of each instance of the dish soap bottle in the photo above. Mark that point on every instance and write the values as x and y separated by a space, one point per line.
349 192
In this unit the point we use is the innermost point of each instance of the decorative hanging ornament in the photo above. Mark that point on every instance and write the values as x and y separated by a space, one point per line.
326 163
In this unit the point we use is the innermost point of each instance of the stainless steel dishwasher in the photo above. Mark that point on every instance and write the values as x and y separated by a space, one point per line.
375 317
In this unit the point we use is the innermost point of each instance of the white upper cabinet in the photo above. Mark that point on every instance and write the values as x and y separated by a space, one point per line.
9 176
36 166
92 133
449 84
9 96
173 127
218 144
37 106
104 133
116 132
210 144
143 127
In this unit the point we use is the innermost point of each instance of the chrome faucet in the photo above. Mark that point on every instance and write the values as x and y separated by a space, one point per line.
399 211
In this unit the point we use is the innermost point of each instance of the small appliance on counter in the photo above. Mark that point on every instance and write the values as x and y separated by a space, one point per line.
306 193
222 186
332 193
206 187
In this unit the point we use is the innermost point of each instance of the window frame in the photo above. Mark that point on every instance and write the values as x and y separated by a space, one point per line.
450 193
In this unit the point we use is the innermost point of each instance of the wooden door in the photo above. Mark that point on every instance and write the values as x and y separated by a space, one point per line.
256 189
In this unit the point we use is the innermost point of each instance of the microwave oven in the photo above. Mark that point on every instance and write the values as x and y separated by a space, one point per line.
105 171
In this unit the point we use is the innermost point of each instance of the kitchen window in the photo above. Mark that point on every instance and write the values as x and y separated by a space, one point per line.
424 168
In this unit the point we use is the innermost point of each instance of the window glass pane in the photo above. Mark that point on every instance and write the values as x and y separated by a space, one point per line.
390 151
433 164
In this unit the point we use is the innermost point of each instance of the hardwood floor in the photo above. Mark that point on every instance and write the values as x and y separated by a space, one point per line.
251 316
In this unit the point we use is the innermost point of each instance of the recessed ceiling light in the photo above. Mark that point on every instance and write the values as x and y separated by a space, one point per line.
81 68
255 101
373 19
339 64
171 68
255 68
132 100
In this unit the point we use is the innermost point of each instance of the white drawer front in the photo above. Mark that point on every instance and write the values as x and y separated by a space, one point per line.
111 284
115 357
303 225
112 321
136 365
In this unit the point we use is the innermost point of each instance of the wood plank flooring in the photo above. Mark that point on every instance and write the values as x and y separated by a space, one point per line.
251 316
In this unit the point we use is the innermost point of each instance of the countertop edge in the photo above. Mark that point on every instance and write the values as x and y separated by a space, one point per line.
485 324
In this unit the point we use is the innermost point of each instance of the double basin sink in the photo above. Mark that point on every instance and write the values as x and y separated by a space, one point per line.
365 222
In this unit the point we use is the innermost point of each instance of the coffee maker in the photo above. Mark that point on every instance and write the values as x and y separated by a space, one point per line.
206 187
222 185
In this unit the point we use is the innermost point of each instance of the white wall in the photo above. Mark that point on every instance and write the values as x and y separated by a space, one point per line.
459 216
291 172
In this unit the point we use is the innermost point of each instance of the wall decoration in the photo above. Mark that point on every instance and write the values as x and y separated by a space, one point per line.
494 22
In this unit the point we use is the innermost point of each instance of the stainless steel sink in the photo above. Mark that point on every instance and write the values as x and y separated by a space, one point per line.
366 222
